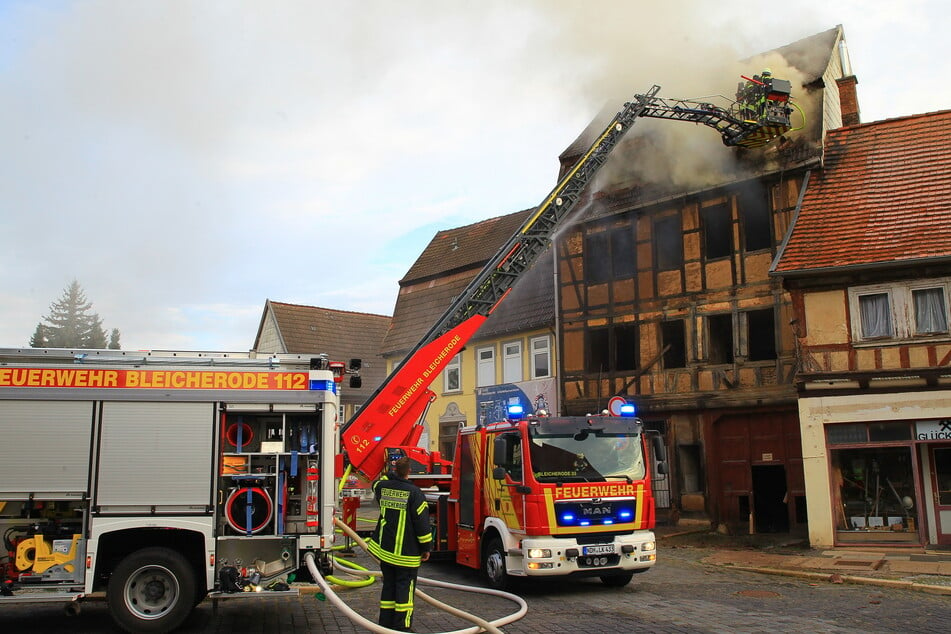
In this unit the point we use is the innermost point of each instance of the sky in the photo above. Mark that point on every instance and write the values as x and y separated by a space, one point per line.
187 160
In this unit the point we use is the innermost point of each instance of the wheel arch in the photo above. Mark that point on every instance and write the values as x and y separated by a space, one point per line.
115 546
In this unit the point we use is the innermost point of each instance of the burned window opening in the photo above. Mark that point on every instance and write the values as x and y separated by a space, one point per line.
668 243
717 231
761 334
612 349
673 334
720 338
753 203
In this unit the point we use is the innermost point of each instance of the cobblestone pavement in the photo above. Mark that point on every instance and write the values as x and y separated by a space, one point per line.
681 594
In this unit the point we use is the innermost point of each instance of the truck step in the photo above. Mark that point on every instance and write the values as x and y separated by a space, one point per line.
42 597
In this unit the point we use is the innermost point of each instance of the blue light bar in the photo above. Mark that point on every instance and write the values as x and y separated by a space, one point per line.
516 411
625 515
324 386
628 410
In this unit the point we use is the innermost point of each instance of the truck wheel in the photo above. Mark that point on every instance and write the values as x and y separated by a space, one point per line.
151 590
618 580
493 565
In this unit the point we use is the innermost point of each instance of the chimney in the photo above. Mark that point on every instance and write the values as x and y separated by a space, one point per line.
848 100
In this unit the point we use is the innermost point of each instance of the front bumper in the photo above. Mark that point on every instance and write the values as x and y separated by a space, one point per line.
555 557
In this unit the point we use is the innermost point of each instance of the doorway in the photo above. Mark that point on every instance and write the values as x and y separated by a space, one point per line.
941 483
770 509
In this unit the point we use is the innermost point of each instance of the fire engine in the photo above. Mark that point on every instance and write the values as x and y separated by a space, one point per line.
157 477
541 496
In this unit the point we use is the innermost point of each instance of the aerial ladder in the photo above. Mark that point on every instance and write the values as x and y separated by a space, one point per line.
389 417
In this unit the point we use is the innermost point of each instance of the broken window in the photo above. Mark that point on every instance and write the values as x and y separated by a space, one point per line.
598 350
597 258
668 243
625 348
612 349
753 203
674 340
720 338
717 231
623 253
761 334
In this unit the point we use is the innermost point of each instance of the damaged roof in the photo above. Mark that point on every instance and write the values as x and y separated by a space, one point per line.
447 265
883 197
810 55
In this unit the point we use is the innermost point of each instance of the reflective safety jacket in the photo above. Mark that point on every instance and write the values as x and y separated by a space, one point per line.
402 533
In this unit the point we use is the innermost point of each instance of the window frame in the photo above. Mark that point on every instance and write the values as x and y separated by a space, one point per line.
482 365
454 364
547 352
901 310
512 371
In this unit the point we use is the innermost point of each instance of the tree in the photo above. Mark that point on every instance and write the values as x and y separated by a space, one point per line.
71 324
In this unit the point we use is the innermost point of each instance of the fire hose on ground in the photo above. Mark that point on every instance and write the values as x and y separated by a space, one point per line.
481 625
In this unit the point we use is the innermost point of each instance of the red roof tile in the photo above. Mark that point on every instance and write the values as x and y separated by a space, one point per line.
882 196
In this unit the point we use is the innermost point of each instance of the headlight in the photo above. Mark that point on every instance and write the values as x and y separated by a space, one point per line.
648 546
539 553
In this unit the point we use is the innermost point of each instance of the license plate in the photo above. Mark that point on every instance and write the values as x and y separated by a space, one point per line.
600 549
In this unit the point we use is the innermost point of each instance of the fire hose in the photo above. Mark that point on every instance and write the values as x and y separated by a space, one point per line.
481 625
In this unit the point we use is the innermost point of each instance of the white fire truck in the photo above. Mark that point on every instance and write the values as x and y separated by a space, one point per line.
159 477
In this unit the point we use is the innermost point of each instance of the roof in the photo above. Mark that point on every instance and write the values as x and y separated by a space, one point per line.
341 334
882 197
464 247
444 269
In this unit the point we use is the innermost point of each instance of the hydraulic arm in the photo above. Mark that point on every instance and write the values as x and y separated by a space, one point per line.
387 417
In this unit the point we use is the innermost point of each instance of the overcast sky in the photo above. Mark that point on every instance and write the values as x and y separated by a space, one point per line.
187 160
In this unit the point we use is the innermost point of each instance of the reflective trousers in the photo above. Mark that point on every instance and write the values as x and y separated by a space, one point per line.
396 597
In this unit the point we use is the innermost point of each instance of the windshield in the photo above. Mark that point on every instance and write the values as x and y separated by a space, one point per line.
588 457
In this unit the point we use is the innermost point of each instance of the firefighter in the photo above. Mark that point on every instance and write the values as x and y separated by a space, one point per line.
401 541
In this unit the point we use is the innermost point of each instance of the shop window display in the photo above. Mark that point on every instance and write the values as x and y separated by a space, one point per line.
875 488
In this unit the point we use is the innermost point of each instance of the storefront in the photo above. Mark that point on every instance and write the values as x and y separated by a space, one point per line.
871 480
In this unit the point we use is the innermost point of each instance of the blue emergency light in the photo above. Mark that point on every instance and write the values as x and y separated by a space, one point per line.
628 410
516 411
323 385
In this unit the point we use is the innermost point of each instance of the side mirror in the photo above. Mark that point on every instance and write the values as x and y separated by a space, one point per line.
356 381
500 445
498 473
660 449
662 468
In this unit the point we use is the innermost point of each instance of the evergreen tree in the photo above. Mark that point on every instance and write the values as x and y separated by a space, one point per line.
71 324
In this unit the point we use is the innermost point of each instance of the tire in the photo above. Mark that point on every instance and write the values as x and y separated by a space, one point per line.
493 566
618 580
151 590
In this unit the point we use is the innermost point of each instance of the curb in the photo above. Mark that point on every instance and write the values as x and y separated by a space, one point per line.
868 581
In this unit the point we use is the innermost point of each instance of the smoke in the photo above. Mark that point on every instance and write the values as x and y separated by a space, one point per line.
680 46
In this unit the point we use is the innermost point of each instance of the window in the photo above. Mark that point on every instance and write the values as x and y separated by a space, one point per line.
930 311
875 311
668 243
623 252
599 358
753 205
673 334
512 362
541 357
485 369
717 231
720 338
597 258
612 349
900 311
609 254
761 335
452 375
